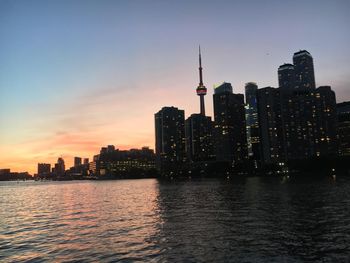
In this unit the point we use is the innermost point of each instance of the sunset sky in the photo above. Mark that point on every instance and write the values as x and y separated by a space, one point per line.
78 75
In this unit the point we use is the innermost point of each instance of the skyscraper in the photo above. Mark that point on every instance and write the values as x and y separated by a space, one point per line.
298 112
77 161
201 89
326 122
170 140
308 114
343 114
60 167
230 126
270 122
286 77
252 121
199 143
304 70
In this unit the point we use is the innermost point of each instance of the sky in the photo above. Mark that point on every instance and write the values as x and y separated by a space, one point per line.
78 75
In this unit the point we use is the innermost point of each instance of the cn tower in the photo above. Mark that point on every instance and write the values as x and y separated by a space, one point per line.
201 89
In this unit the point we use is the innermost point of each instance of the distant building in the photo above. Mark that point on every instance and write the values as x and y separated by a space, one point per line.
44 168
199 138
123 163
170 140
60 167
304 70
77 161
94 166
230 125
286 77
343 117
86 161
7 175
252 121
5 171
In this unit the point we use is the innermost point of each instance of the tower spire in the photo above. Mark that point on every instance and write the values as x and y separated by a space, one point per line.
200 68
201 89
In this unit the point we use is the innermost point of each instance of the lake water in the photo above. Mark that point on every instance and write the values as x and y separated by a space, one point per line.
240 220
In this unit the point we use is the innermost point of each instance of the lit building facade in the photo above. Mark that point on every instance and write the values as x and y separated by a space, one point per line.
230 142
199 138
326 142
343 117
170 140
252 121
270 123
304 70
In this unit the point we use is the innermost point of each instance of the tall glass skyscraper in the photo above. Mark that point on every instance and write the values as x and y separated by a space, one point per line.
252 121
170 140
230 125
304 70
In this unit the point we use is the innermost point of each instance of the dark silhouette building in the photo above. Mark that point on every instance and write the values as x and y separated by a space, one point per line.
297 92
326 122
60 167
44 168
271 126
230 126
286 76
343 117
77 161
199 138
170 140
252 121
308 114
304 70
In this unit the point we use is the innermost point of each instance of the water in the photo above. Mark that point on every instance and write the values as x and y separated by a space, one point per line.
241 220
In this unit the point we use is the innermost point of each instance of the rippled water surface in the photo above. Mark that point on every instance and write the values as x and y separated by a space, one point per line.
241 220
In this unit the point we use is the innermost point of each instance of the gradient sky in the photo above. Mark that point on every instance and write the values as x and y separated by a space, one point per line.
78 75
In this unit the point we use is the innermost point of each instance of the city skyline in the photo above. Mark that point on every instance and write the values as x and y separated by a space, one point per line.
71 97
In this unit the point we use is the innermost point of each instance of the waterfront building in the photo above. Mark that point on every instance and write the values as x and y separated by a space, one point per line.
60 167
77 161
44 168
5 171
130 163
271 126
343 117
326 122
252 121
229 125
308 114
170 140
199 138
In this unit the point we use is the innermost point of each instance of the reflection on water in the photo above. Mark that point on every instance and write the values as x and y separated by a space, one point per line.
253 219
